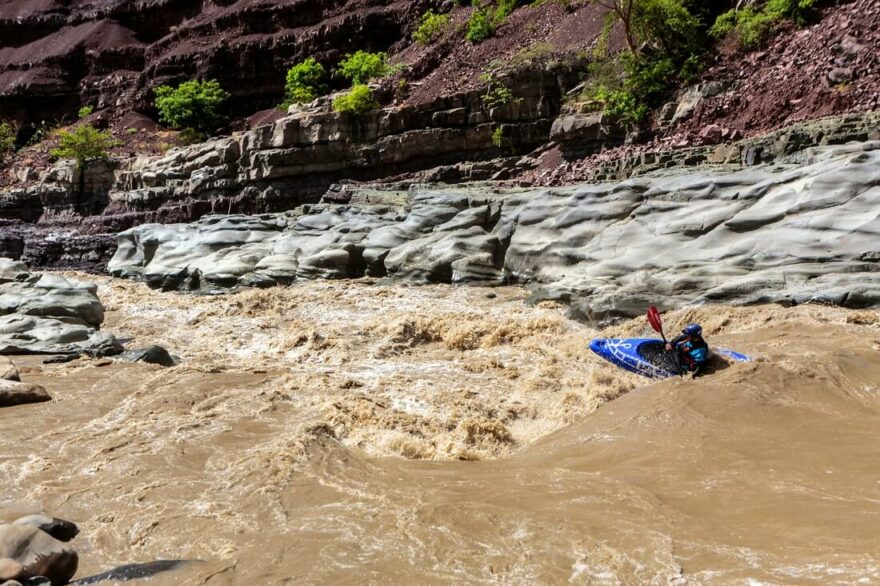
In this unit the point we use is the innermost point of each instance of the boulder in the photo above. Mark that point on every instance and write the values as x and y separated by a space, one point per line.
14 393
49 314
28 551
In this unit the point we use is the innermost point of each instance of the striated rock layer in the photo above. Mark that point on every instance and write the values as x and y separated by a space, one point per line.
806 230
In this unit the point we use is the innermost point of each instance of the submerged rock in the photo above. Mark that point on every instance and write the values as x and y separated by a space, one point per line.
150 355
801 232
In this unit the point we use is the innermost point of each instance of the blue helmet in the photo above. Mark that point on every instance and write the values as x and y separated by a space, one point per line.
693 330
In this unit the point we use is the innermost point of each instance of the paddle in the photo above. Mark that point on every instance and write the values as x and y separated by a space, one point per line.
657 324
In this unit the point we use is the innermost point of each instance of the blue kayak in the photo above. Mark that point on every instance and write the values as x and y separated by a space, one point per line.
646 356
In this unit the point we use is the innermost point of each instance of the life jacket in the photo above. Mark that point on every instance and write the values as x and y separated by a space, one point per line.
693 352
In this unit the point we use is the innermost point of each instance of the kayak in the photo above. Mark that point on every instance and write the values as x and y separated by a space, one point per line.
646 356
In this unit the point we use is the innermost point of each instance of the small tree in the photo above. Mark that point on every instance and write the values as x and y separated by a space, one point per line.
305 82
361 67
192 105
84 143
85 111
7 139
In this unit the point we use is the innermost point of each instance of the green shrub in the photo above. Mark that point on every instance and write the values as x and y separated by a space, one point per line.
192 105
7 139
432 27
665 42
479 26
798 11
85 111
305 82
84 143
361 67
357 101
753 27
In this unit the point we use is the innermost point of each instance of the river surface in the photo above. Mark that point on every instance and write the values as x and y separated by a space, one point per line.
354 432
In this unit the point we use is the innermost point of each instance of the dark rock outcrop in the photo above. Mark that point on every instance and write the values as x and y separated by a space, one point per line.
57 55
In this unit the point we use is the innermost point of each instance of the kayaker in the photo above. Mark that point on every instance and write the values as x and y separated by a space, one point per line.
691 349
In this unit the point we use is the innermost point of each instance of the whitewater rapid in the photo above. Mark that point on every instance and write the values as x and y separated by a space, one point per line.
354 432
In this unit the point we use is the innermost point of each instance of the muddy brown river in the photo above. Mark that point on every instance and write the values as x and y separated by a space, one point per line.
357 433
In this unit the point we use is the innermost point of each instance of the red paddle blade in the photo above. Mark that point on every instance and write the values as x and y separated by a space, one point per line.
654 319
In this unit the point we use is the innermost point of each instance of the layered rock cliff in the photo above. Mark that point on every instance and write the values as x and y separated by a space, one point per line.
55 56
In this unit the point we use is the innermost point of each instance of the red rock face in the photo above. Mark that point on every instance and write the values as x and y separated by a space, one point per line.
55 56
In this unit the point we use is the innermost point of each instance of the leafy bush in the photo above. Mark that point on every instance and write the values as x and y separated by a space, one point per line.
192 105
84 143
479 26
362 67
645 84
358 101
432 27
305 82
7 139
85 111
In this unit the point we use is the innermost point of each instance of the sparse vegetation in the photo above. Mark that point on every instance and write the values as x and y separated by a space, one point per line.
496 93
753 26
7 139
85 111
193 105
305 82
362 66
432 27
498 138
358 101
84 143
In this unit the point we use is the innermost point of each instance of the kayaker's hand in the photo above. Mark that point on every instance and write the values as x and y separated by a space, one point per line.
668 347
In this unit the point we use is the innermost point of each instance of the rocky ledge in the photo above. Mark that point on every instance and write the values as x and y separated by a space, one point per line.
803 229
48 314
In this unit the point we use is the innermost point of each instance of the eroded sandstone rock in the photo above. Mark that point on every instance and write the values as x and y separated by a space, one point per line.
793 233
49 314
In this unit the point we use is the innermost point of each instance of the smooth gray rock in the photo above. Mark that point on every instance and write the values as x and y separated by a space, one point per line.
48 314
806 231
